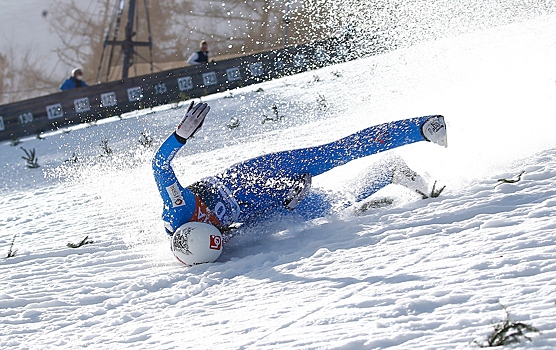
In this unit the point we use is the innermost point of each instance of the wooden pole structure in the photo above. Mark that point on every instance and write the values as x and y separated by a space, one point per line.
128 45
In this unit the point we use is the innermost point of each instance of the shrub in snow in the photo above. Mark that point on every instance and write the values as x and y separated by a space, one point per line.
105 148
12 251
510 181
508 332
80 244
276 116
73 159
234 123
145 140
323 104
31 158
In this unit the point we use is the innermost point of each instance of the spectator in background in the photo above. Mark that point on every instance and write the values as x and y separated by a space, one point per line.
75 81
201 56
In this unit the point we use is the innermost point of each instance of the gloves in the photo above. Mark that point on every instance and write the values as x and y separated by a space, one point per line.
192 121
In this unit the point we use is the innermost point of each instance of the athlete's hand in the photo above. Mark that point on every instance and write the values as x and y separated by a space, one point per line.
193 120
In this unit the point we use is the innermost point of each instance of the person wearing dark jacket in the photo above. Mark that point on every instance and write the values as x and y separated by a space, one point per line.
75 81
200 56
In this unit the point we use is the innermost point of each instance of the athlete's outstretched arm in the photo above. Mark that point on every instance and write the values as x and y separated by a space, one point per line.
179 203
166 180
163 173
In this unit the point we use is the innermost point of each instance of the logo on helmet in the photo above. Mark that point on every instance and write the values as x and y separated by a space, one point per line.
215 242
181 241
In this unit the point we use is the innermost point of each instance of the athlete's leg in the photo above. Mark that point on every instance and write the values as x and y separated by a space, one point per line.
262 183
320 159
315 204
372 182
391 169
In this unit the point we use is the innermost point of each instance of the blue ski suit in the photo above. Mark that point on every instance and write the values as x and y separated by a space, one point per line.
253 188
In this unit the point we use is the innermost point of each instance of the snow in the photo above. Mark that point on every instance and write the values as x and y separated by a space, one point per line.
420 274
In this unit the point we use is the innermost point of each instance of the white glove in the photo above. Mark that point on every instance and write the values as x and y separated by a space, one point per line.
193 120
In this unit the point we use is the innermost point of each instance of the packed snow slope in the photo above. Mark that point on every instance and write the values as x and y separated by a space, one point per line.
420 274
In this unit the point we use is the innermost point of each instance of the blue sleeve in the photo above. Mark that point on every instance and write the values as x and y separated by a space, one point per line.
67 85
179 202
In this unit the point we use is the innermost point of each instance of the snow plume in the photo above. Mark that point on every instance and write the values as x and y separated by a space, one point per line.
376 26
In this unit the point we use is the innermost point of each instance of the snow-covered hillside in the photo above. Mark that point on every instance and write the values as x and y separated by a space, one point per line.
421 274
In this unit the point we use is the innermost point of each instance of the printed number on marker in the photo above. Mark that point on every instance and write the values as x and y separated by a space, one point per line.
25 118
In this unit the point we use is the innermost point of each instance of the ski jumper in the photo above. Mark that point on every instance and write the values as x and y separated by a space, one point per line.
277 181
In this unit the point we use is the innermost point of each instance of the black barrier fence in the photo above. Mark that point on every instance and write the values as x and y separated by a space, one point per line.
37 115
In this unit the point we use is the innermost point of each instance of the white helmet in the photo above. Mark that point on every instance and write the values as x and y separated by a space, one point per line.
196 243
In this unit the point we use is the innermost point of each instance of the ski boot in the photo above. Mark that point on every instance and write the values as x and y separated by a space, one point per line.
434 130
